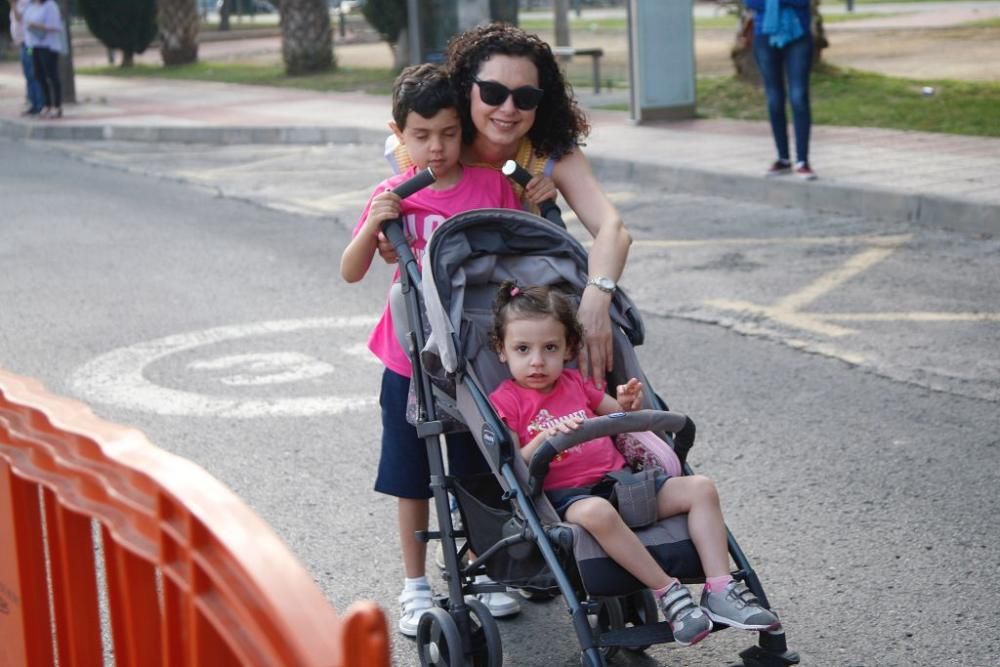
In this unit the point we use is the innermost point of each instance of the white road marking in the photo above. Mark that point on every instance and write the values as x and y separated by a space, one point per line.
266 368
116 378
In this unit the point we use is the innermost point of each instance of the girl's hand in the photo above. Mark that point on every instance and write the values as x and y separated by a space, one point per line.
630 395
539 189
564 427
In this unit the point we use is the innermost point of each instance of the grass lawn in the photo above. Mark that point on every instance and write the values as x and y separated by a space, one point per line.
855 98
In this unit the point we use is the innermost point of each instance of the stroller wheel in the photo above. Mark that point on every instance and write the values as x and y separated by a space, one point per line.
439 643
487 650
607 617
639 608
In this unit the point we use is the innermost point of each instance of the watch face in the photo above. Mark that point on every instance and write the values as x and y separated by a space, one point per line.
604 283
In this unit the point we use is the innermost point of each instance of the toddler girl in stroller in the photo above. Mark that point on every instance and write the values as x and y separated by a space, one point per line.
535 332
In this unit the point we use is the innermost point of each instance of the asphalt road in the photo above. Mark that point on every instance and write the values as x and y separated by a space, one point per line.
842 371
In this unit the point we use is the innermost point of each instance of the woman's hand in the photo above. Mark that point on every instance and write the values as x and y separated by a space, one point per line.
539 189
596 353
630 395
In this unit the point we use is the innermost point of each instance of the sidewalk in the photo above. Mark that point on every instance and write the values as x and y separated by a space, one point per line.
939 179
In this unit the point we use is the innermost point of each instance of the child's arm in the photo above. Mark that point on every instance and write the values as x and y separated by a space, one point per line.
358 254
629 399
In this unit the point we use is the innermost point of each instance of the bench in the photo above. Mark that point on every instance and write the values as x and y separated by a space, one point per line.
594 53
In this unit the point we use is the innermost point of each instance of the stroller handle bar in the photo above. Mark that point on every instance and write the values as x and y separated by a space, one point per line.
597 427
522 177
393 229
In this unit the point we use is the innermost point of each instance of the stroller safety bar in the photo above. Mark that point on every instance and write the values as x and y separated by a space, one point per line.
589 429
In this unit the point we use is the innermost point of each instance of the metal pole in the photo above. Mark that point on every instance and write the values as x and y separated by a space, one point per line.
561 8
413 31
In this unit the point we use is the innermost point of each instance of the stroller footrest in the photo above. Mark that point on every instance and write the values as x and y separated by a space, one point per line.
641 635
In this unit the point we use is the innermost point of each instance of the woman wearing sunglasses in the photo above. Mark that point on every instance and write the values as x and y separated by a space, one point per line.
515 104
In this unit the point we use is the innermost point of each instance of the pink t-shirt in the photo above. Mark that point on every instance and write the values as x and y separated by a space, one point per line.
423 212
528 412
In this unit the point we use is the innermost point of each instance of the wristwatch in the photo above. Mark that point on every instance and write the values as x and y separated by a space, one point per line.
603 283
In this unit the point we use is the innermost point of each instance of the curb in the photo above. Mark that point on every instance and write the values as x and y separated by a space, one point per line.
193 134
818 196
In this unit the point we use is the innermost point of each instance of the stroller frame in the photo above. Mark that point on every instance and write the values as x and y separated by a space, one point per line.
460 631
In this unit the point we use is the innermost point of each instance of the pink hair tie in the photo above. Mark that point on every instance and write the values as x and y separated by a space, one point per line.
514 291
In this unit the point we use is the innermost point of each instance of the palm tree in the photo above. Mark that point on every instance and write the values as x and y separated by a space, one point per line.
306 36
178 20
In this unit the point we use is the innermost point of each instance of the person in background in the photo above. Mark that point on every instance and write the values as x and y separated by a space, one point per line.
44 35
783 48
33 90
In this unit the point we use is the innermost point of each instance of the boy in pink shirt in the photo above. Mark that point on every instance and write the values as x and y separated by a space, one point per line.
426 120
535 333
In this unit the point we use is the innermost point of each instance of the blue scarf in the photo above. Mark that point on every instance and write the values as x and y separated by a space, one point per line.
781 24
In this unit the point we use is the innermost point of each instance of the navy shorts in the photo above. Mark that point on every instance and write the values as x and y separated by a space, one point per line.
403 470
561 499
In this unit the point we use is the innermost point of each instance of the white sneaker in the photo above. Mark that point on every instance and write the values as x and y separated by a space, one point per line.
500 604
414 602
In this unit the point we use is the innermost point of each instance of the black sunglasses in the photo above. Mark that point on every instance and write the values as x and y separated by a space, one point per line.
494 94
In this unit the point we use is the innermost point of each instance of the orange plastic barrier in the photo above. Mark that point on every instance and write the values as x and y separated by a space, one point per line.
91 511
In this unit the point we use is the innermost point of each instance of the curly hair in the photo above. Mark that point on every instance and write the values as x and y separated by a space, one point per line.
516 302
559 123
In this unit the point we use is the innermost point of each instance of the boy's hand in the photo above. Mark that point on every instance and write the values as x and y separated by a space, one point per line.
630 395
539 189
386 250
384 207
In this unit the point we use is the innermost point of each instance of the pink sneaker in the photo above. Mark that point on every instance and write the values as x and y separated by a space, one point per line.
804 171
779 168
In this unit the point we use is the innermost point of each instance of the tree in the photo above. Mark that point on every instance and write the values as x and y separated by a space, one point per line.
306 36
388 17
390 20
4 22
178 21
742 51
126 25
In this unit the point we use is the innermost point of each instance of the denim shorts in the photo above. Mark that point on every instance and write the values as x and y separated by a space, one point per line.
403 470
561 499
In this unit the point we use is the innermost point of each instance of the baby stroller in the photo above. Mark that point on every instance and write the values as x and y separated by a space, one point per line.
443 317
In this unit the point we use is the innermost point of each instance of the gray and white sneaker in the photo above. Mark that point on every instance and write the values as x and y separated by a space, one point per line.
414 603
737 607
688 622
500 603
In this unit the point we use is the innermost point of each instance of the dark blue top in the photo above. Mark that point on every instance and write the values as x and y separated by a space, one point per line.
801 8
